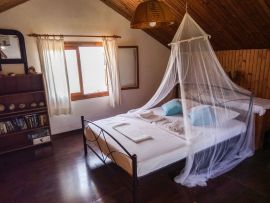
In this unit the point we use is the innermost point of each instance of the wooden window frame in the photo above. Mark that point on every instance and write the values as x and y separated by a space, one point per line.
72 45
75 46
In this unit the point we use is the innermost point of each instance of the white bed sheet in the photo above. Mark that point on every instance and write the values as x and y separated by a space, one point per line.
165 148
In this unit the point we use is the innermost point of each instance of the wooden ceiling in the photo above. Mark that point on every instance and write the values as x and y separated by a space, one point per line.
7 4
233 24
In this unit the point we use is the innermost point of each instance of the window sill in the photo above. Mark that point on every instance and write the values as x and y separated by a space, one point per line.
76 97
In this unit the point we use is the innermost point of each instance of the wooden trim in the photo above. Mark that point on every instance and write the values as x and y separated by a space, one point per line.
137 85
71 45
79 69
74 44
76 96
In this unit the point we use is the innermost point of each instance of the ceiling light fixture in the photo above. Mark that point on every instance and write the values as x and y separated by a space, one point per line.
152 14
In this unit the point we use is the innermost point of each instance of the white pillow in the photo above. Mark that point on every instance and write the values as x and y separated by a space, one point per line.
223 115
190 104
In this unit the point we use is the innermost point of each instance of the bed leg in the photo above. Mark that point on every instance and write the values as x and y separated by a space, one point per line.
134 180
84 139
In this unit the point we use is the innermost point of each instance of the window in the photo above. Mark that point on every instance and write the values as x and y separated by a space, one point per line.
86 70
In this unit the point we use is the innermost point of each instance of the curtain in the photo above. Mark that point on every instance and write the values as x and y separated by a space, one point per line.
53 65
111 60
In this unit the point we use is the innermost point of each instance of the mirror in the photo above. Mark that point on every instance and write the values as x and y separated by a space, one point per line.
12 48
129 66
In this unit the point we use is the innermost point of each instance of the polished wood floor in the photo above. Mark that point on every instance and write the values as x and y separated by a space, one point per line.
60 173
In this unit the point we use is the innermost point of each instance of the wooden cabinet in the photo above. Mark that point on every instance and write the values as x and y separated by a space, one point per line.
24 122
262 125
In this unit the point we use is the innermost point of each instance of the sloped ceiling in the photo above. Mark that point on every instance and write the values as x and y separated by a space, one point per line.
7 4
233 24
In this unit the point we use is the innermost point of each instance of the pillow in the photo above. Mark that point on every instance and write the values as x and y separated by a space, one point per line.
202 115
205 115
172 107
223 115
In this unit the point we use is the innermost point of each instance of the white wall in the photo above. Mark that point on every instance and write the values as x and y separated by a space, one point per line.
88 17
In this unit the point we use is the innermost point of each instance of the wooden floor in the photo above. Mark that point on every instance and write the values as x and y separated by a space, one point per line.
61 174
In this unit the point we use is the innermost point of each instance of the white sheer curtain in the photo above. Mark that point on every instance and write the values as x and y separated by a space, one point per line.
111 58
53 65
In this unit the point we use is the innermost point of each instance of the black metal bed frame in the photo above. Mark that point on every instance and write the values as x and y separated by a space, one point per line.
104 157
133 157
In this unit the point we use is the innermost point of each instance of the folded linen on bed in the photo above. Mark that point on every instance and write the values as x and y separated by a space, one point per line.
149 116
131 132
175 127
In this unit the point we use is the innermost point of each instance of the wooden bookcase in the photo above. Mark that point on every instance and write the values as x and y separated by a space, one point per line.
23 127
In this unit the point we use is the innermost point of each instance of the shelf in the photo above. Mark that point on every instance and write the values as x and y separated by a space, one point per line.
22 93
22 75
25 111
22 89
23 131
29 146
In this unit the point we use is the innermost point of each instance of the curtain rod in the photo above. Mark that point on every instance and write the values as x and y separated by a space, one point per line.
53 35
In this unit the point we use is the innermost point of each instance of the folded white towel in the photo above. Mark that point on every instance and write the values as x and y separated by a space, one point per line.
146 114
176 126
131 132
150 116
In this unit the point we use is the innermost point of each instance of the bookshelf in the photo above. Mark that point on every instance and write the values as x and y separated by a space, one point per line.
24 119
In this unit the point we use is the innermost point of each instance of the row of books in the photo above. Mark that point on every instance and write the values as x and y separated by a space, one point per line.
23 123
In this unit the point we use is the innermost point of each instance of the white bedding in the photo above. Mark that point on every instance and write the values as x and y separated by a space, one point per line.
164 148
260 105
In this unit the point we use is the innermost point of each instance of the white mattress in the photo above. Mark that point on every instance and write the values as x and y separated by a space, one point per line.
165 148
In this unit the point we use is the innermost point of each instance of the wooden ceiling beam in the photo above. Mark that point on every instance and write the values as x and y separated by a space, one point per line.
7 4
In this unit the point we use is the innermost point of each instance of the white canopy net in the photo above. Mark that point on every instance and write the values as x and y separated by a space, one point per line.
218 127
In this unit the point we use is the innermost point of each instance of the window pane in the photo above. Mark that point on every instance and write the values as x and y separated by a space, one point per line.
93 69
73 74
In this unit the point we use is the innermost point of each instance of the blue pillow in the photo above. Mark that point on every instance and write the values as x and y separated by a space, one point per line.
172 107
202 116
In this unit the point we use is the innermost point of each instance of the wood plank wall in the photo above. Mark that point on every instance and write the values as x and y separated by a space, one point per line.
253 73
252 66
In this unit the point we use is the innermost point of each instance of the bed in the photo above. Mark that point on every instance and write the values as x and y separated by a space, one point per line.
163 149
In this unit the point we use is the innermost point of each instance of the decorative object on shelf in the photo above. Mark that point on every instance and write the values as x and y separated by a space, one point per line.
22 106
11 74
33 105
41 104
32 70
11 107
152 14
2 107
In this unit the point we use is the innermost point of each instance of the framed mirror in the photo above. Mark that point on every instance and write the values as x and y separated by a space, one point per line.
129 67
12 48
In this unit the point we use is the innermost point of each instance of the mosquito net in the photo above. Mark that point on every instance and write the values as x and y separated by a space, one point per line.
216 117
